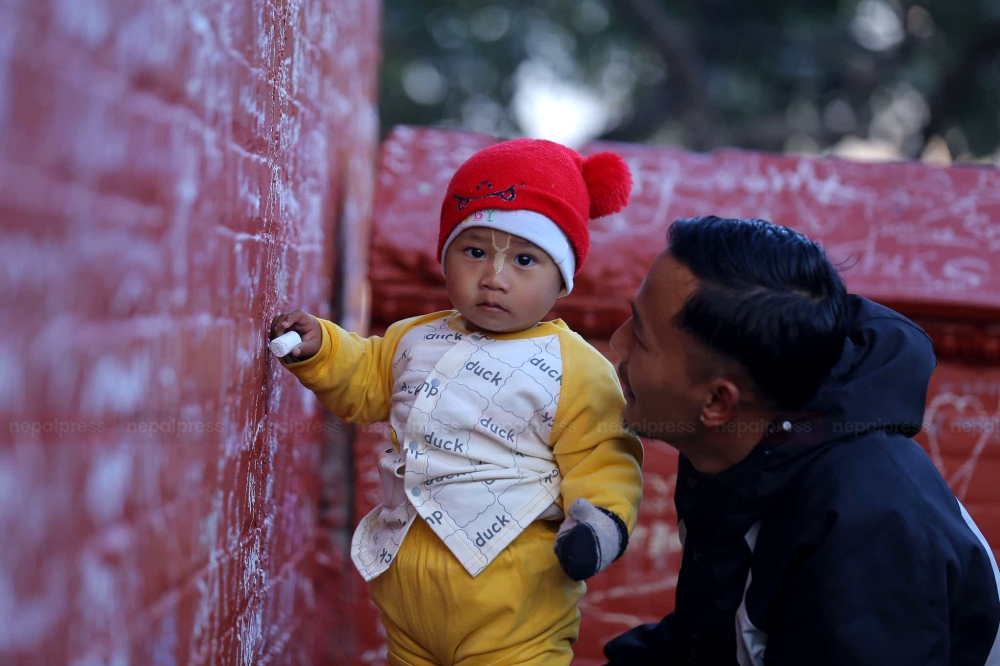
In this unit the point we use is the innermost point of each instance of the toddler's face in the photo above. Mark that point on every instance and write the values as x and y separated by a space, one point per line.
516 298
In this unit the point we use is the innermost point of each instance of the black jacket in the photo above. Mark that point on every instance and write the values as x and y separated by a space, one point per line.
838 543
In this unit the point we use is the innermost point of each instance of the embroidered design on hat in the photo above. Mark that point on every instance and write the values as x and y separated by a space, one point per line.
506 194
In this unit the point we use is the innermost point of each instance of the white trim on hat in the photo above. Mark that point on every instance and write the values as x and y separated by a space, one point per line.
532 227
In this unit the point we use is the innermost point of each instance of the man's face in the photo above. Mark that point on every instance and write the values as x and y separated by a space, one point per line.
517 297
661 401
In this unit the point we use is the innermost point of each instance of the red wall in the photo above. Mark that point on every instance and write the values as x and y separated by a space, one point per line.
171 175
923 240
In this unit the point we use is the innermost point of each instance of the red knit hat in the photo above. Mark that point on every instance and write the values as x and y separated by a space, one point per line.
540 176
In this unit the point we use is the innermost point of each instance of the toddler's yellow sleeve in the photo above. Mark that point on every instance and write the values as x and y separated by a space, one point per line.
599 460
352 375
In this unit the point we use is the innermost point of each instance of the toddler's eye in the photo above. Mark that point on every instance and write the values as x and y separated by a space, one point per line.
475 252
524 260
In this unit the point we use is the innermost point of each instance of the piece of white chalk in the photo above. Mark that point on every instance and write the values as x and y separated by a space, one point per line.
284 344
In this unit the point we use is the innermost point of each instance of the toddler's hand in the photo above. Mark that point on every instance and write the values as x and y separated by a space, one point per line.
305 326
589 539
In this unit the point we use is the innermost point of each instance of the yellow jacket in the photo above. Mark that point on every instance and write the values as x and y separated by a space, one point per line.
490 432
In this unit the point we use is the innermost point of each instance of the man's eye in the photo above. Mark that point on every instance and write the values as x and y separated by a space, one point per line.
524 260
475 252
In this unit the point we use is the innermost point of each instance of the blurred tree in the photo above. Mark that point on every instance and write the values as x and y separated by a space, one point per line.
777 75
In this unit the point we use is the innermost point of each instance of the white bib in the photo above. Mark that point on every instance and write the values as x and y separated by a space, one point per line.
473 417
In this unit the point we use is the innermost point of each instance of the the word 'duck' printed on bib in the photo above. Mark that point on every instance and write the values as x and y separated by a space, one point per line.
473 417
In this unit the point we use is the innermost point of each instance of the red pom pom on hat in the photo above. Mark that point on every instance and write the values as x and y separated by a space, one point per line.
609 183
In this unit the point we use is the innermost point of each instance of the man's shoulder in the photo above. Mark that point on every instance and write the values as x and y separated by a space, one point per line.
867 499
871 477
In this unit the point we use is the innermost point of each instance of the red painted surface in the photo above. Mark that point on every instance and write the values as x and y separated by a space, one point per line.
921 239
918 237
172 174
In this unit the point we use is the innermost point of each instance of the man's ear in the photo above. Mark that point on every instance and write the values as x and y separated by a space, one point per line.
562 288
722 403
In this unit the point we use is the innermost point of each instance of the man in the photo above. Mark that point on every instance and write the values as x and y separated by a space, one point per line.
815 530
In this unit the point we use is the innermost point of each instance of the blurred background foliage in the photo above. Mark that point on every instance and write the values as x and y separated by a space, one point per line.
864 79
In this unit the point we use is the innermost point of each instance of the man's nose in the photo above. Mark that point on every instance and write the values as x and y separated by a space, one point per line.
620 339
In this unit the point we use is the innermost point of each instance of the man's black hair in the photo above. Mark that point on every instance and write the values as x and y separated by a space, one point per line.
768 298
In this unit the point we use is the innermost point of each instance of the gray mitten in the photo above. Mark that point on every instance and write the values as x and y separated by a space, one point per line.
589 539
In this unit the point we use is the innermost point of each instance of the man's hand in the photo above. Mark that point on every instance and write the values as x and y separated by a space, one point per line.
303 324
589 539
